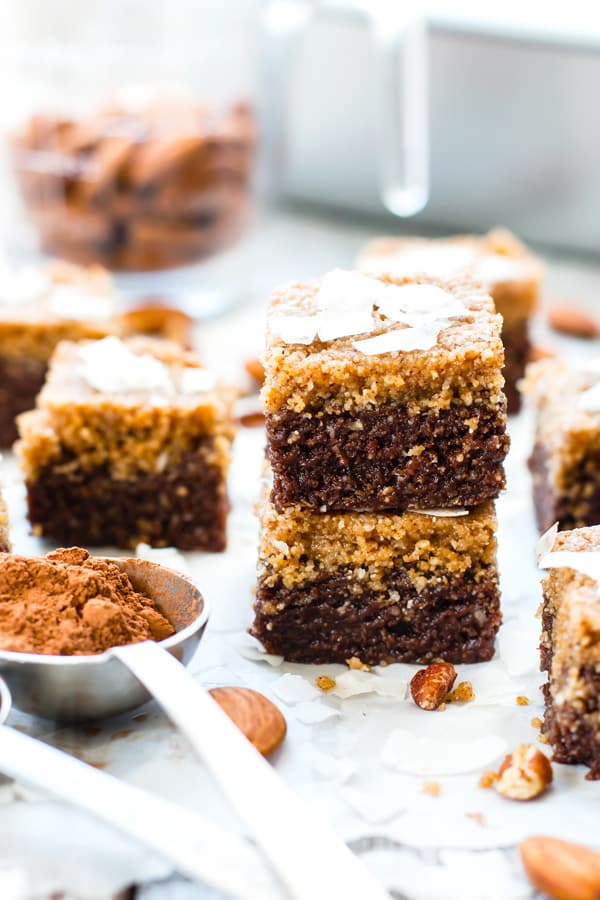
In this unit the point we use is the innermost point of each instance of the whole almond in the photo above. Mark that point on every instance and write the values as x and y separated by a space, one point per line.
256 717
572 320
540 351
560 869
524 774
255 369
429 686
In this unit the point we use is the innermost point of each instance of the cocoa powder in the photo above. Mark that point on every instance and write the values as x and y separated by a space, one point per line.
68 603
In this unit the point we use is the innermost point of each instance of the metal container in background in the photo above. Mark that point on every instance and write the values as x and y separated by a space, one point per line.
514 137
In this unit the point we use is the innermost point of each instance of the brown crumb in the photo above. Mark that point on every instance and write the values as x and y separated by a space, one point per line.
355 663
477 817
325 683
522 701
488 779
433 788
462 693
536 722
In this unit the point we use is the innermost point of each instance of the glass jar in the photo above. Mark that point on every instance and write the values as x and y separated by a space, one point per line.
130 127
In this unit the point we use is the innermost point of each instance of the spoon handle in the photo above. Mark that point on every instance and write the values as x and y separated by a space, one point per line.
310 858
197 847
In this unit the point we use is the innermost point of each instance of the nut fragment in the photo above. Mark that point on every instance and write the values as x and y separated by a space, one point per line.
488 779
522 700
433 788
355 663
252 419
256 717
560 869
524 774
429 686
155 318
255 369
462 693
572 320
325 683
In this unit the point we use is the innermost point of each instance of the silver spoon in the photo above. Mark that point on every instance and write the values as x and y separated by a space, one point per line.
196 846
310 858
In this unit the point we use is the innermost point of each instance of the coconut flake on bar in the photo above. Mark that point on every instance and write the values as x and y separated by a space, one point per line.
109 366
334 323
348 291
294 329
419 754
69 302
589 401
585 562
441 513
546 542
197 381
401 339
419 303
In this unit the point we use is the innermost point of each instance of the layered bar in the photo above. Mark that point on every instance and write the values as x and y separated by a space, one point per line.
565 462
4 538
383 588
39 308
570 647
384 393
505 267
129 443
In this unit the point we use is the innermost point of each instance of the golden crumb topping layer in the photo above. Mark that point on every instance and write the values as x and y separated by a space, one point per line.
78 426
504 265
463 367
297 546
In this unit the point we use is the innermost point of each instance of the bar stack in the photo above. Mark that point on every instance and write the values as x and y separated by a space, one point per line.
386 438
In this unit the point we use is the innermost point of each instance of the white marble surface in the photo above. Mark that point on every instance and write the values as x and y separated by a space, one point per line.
339 752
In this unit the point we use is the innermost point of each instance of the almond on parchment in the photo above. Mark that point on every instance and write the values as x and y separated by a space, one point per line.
256 717
429 686
561 870
572 320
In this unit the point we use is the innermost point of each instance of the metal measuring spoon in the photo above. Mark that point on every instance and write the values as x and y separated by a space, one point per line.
310 858
196 846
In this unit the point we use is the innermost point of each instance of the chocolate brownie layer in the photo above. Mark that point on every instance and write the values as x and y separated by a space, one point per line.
184 506
388 457
578 507
335 618
21 380
517 347
574 738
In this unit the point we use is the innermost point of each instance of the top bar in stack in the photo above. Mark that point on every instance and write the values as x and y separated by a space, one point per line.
384 394
510 273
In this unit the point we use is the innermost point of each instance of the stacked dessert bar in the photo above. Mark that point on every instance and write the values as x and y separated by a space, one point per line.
386 437
129 443
565 462
570 646
503 265
39 308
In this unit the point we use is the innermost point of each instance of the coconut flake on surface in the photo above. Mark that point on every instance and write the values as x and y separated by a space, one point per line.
402 339
546 542
164 556
71 302
421 755
333 768
294 329
355 682
250 648
109 366
441 513
196 381
374 806
589 401
292 689
587 562
313 712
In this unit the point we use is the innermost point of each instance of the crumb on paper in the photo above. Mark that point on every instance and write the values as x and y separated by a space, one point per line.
477 817
543 739
325 683
488 779
536 722
433 788
355 663
462 693
522 700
